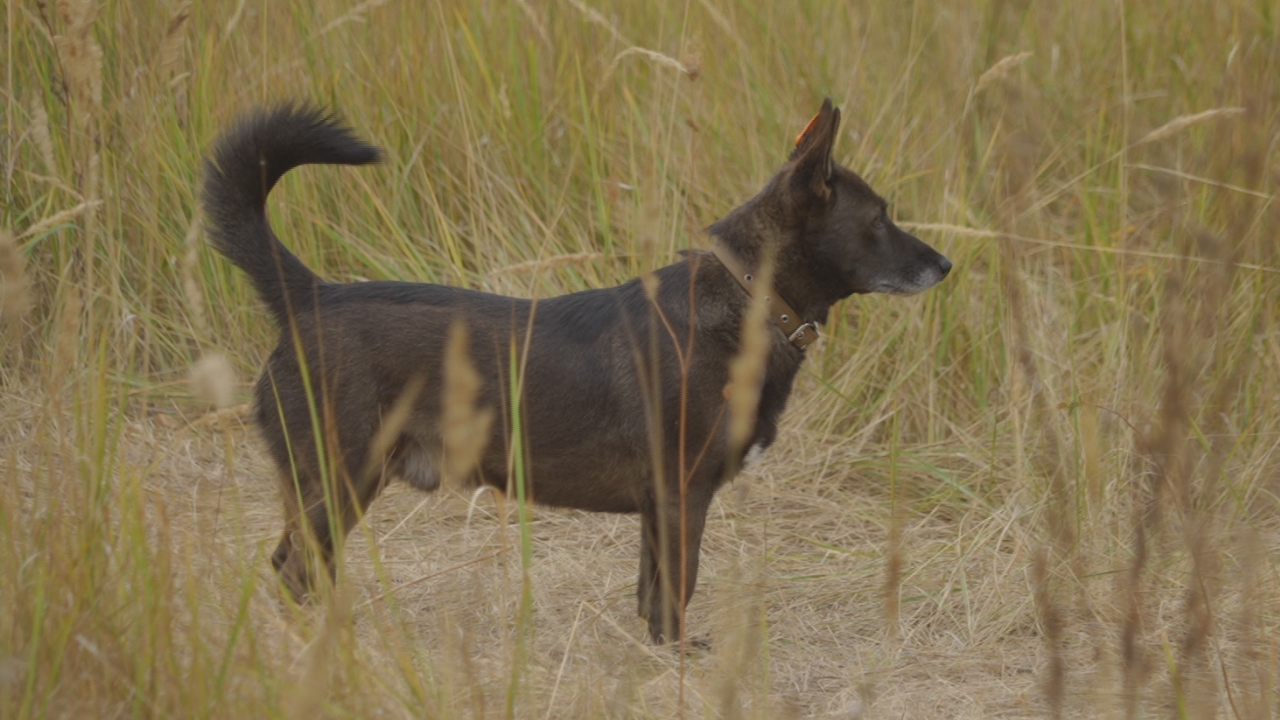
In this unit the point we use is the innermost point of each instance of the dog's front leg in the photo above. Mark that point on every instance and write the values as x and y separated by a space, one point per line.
669 548
647 589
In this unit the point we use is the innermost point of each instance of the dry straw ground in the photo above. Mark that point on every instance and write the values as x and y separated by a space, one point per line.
1048 487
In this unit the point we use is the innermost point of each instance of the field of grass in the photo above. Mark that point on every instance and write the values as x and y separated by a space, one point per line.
1048 487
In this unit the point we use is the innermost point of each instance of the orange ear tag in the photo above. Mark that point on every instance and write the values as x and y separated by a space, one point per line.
807 128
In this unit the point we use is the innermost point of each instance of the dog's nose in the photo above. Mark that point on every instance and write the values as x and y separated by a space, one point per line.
944 264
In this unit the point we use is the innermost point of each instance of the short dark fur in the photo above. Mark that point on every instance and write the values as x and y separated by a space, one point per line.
603 390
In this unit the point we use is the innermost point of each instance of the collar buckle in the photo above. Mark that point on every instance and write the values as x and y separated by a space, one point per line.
804 335
783 317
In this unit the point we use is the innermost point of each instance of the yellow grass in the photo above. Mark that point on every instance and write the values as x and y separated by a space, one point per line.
1046 487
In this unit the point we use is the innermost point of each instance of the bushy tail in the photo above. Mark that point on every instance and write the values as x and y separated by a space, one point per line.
245 163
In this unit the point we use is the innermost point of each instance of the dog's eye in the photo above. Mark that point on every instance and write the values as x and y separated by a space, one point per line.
878 224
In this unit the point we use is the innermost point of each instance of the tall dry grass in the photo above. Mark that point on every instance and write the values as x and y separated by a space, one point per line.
1047 487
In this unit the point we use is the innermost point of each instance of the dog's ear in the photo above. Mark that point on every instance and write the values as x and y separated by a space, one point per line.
814 146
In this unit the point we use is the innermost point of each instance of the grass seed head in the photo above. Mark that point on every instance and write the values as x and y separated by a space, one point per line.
1182 122
213 380
1002 69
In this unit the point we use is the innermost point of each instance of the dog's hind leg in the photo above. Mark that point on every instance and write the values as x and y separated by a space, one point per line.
291 559
669 549
318 515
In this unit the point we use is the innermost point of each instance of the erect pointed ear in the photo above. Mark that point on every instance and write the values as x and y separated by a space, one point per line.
814 146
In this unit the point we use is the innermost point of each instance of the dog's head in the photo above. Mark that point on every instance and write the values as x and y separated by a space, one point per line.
832 233
846 225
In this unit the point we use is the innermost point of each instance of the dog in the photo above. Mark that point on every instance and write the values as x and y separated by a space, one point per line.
615 398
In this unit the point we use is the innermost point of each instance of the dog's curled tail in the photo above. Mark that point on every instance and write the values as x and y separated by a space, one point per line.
243 166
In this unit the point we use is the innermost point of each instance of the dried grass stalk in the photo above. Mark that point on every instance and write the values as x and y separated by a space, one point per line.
14 302
1182 122
60 217
690 71
547 263
171 46
81 56
596 18
1000 71
535 20
465 428
392 423
959 230
66 343
190 287
234 20
43 139
355 14
746 370
1051 627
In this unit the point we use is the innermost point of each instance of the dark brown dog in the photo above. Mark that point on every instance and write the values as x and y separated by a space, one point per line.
622 391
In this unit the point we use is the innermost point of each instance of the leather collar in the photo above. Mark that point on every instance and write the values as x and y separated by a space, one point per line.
801 334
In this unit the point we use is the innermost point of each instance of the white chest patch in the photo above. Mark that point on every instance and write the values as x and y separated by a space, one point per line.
754 453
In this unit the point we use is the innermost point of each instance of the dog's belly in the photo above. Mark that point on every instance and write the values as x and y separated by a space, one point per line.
586 482
594 496
609 505
573 477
